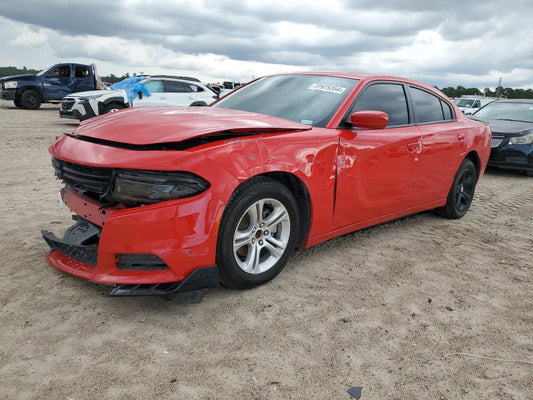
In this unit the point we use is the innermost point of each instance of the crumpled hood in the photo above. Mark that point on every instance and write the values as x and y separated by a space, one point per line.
506 128
152 125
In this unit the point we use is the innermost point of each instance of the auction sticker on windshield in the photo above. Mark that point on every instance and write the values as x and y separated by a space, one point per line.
327 88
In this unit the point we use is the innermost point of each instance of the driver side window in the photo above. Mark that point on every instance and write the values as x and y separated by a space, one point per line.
63 71
387 97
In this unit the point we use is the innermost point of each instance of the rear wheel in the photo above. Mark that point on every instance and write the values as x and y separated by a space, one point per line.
198 104
30 99
462 191
257 234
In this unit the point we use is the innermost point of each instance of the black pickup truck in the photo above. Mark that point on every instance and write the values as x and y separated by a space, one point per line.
49 85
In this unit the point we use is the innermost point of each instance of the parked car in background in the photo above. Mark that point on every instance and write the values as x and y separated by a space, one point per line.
175 199
162 91
469 105
49 85
511 123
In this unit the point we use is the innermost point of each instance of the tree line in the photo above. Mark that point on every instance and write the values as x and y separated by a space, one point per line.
500 91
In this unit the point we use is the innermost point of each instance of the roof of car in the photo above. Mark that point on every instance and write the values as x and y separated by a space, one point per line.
529 101
185 78
367 77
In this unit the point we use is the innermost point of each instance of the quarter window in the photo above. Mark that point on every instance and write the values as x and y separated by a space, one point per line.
387 97
427 107
447 109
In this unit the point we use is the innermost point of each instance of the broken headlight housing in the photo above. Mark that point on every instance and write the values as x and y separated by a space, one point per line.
149 187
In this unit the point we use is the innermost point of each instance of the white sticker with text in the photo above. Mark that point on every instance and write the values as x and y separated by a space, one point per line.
327 88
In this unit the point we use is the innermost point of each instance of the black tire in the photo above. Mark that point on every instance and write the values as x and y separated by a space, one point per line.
17 102
30 100
198 104
462 191
112 107
252 251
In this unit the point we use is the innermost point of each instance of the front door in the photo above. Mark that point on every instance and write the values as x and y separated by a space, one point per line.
377 169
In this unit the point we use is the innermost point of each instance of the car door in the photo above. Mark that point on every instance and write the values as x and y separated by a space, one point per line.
83 79
58 82
180 94
376 168
157 95
443 144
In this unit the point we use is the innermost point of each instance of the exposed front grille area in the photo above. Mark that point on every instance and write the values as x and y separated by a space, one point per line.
91 180
66 104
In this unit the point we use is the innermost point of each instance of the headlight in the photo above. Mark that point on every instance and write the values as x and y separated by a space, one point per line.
87 98
10 84
148 187
526 139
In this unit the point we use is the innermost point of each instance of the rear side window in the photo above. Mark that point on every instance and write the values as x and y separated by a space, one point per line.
177 87
81 71
387 97
428 107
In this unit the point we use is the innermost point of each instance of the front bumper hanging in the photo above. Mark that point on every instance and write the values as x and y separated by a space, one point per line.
80 243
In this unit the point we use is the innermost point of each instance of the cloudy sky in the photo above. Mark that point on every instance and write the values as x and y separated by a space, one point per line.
443 43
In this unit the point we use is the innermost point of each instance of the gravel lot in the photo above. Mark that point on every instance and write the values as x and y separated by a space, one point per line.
419 308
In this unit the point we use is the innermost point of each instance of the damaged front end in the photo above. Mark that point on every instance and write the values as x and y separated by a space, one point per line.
127 233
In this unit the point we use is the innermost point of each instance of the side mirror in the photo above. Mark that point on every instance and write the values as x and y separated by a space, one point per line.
370 119
140 94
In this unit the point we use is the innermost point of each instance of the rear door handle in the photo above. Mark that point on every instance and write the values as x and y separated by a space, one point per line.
460 137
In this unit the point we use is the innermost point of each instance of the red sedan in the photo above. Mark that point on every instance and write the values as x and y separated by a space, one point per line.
174 199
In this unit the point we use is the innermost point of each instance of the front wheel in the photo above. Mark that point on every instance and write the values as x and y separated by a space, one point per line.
30 100
462 191
113 107
257 234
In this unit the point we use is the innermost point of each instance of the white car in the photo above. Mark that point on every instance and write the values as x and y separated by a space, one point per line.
162 91
469 105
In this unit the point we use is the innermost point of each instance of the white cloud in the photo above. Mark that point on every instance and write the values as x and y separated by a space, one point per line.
443 43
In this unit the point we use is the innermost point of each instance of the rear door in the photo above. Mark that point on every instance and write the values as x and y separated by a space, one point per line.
377 168
443 144
180 94
84 79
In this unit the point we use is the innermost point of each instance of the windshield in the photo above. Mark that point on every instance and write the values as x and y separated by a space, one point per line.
307 99
463 102
507 111
41 72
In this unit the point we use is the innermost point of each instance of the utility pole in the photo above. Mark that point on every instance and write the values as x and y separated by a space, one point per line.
499 88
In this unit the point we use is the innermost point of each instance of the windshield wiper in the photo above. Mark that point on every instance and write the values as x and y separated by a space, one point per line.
513 120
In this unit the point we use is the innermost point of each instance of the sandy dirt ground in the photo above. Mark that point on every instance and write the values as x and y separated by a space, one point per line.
419 308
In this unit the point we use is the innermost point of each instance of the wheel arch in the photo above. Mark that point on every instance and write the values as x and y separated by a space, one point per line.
299 190
21 90
115 99
473 156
